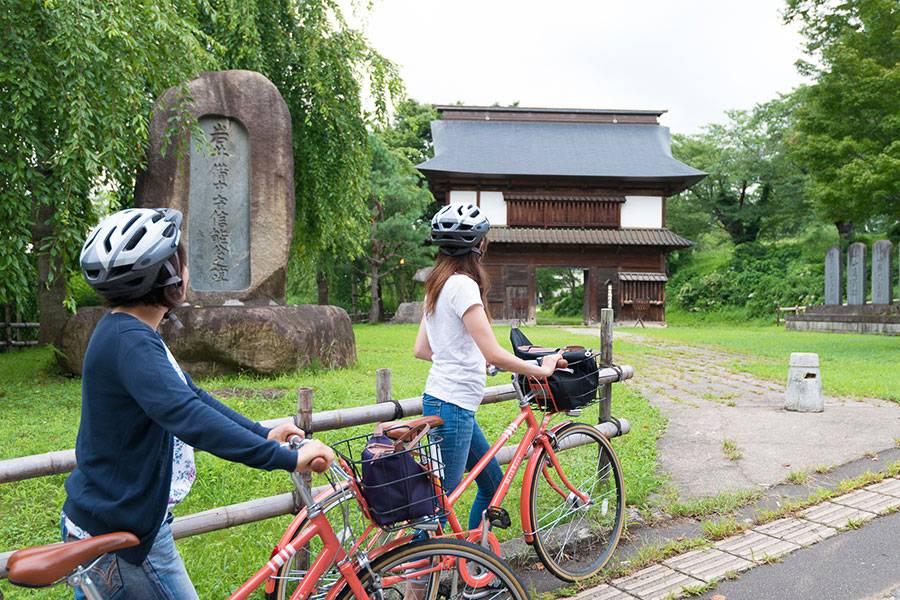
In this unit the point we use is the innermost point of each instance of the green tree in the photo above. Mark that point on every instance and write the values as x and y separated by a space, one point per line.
410 130
319 64
848 123
396 229
77 82
753 187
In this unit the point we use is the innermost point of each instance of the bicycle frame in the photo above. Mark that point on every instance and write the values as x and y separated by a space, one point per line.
536 434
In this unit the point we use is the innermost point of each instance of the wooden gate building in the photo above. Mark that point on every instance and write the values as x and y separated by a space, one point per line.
568 188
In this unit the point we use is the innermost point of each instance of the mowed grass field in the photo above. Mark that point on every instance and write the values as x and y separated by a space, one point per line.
41 408
852 365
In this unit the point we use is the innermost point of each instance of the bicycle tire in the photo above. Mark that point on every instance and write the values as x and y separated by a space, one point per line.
576 552
488 567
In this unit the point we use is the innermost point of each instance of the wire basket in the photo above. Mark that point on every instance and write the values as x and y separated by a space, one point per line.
399 485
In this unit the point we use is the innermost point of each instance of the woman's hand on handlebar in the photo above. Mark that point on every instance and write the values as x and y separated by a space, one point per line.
551 362
282 433
313 455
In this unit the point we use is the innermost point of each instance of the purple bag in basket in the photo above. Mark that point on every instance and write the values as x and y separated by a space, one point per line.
395 486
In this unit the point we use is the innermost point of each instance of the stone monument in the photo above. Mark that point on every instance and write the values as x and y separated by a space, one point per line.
833 276
856 274
882 283
235 186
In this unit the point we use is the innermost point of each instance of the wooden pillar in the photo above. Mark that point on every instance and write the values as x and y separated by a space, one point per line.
532 294
303 420
585 297
593 289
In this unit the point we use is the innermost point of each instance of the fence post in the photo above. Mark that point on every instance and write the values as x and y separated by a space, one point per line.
8 318
303 420
606 360
383 386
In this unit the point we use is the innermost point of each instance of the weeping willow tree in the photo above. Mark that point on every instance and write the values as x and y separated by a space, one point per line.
323 69
78 79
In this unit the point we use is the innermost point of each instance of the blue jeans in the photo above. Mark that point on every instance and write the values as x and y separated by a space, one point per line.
161 576
462 446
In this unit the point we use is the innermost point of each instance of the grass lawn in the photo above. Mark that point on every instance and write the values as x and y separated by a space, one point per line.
852 365
41 411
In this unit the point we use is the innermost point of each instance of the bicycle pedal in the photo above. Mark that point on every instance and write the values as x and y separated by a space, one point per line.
498 517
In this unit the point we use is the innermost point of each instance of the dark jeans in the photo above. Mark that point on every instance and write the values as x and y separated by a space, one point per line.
462 446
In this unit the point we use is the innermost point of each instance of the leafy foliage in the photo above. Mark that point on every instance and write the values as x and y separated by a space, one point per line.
848 122
77 82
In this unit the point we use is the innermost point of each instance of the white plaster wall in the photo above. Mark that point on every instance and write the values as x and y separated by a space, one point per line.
642 211
462 196
494 207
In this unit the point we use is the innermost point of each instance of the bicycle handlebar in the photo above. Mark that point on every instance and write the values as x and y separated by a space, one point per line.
319 465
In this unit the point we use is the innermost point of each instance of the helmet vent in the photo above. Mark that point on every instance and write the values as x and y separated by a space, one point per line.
106 243
116 271
170 231
130 223
137 237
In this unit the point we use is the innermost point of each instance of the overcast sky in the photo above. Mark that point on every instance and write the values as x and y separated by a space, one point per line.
696 58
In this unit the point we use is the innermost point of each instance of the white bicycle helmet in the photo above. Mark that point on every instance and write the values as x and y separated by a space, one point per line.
124 254
458 228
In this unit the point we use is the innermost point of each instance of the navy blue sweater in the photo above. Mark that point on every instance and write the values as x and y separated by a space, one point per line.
132 403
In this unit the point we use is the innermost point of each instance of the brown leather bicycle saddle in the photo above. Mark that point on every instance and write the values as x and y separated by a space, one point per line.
411 428
41 566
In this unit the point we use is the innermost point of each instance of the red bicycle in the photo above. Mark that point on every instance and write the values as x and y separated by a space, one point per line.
381 564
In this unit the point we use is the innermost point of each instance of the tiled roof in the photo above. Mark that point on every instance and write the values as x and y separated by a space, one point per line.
597 237
634 153
634 276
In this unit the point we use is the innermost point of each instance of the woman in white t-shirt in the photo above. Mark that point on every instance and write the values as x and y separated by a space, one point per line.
456 336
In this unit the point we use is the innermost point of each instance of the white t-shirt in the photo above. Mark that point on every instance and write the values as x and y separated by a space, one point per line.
457 372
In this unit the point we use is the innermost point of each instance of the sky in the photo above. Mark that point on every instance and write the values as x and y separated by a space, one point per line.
694 58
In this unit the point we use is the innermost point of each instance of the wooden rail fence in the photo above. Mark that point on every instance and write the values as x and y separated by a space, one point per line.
12 330
385 409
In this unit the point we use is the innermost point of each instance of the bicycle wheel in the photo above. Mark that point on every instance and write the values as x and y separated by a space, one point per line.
349 522
576 537
438 569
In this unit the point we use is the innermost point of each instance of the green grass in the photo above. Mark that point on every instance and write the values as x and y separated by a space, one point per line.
41 411
852 364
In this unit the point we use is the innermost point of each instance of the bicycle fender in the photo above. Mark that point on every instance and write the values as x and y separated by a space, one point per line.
530 472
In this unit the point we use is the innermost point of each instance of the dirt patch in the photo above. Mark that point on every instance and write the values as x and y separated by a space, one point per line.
249 393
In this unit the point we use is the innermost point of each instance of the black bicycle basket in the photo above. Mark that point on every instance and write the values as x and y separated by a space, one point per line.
400 483
567 389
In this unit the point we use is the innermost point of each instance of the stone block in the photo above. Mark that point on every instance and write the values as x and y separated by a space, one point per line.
835 515
262 340
798 531
655 583
804 386
602 592
833 276
856 274
235 186
708 565
882 274
409 312
756 546
890 487
869 501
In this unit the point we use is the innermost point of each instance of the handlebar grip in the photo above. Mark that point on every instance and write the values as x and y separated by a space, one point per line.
319 465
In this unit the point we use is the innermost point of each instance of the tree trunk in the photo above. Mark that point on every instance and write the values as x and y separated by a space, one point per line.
50 295
375 310
322 287
845 231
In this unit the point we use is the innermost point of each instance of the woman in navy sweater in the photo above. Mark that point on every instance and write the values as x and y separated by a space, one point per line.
142 416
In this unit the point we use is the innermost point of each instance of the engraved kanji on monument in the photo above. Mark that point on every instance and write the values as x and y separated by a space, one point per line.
881 272
833 276
234 184
856 274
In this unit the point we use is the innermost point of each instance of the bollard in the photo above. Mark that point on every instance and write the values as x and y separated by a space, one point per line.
804 387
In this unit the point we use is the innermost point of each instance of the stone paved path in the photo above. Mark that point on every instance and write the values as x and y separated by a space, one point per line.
706 405
687 573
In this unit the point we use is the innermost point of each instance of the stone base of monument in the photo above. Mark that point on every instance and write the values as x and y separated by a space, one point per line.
881 319
216 340
409 312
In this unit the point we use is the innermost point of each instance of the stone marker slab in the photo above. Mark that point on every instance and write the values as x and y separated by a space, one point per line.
833 276
856 274
891 487
804 386
797 531
835 515
868 501
655 583
708 565
882 274
235 187
756 546
603 592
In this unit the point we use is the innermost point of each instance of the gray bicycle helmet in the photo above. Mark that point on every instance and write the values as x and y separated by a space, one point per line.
123 256
458 228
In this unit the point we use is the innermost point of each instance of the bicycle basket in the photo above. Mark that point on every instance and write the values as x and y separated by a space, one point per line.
399 482
567 389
